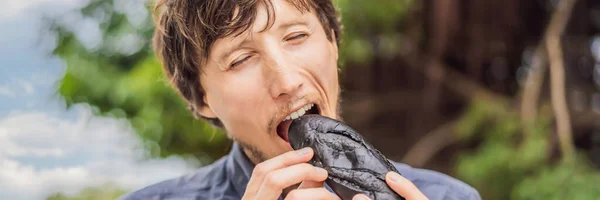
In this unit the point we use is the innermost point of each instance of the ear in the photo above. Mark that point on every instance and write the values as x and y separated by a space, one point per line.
205 109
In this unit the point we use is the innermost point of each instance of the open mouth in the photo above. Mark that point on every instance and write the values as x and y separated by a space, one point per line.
282 128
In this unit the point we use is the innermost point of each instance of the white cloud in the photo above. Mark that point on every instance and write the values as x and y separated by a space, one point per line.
6 91
14 8
41 154
27 87
19 87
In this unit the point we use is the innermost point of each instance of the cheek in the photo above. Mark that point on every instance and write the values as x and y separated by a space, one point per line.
227 95
318 57
237 100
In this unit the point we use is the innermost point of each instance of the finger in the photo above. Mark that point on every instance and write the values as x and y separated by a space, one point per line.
311 193
403 186
283 160
287 190
276 181
310 184
361 197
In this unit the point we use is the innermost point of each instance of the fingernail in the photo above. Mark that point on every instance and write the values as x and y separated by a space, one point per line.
394 177
360 197
321 171
304 151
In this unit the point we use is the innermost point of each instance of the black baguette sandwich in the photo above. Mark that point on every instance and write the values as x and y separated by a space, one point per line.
354 166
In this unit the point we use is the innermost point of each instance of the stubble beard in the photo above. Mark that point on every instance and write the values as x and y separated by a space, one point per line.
256 156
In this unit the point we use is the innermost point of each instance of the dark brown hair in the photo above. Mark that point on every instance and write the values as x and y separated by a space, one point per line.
186 29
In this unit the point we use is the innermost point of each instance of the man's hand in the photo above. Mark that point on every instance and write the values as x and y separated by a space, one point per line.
270 177
400 185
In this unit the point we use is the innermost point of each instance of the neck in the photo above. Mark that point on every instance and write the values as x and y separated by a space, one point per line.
251 156
251 153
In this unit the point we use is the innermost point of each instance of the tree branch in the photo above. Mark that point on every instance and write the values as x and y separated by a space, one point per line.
430 144
533 85
535 77
459 84
557 77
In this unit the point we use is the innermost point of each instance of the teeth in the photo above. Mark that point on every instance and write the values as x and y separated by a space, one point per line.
307 107
299 112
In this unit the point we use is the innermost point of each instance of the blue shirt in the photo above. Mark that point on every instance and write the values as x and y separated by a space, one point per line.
226 179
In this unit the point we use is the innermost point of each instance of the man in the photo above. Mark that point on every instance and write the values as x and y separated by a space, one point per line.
250 66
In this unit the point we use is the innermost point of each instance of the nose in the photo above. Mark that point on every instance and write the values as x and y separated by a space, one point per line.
283 76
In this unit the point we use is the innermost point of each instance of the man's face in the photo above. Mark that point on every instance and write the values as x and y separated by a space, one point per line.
255 80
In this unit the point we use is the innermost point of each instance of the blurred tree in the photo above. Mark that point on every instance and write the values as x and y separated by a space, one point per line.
513 161
102 192
370 29
119 76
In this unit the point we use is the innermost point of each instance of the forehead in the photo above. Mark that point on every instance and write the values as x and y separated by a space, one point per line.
270 16
275 12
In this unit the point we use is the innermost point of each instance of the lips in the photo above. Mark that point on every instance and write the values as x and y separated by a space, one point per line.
282 130
283 126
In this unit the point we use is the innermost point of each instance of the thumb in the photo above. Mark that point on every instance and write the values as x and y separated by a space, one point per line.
403 187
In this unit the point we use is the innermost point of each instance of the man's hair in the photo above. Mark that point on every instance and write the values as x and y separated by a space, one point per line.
186 30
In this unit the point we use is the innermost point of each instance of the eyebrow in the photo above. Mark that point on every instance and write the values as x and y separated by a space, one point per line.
294 22
229 50
285 25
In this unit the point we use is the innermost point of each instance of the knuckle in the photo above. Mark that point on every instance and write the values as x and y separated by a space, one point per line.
259 169
272 181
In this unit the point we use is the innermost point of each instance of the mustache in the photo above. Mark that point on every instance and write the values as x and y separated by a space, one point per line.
283 109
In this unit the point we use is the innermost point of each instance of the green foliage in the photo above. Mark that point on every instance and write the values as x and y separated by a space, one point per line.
370 28
103 192
513 161
563 181
126 83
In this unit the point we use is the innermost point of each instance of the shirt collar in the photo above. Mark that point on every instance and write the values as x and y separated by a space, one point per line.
240 168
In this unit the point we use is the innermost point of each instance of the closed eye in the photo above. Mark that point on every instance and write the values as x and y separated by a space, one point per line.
239 62
298 36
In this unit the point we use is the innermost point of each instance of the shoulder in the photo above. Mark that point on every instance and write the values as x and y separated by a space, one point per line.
196 185
436 185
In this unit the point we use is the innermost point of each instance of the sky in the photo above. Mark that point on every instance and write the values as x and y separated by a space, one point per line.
44 147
